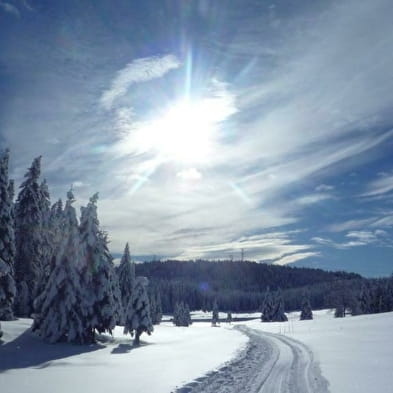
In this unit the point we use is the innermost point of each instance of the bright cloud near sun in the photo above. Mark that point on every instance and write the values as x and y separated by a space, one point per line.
189 174
186 132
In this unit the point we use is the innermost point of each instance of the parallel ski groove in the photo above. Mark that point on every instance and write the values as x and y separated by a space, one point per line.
269 363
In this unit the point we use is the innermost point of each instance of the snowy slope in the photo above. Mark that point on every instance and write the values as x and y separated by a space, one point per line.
355 353
170 357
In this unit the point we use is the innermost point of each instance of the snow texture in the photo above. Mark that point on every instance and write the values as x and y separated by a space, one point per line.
269 364
354 353
167 359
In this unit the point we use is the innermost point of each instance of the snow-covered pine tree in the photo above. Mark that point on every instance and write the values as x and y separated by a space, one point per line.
267 307
126 274
137 316
306 311
7 241
279 312
96 268
187 315
177 313
46 230
56 220
215 314
181 314
114 280
155 305
28 234
46 242
365 299
62 316
56 217
158 315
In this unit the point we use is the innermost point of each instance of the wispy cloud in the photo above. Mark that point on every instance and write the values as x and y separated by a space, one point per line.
351 224
324 187
311 199
385 221
356 239
286 260
380 186
140 70
274 247
10 8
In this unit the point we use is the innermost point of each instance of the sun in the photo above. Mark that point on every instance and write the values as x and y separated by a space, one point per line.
187 131
184 133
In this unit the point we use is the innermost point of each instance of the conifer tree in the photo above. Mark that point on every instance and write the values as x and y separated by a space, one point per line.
43 271
137 316
158 314
55 227
187 314
181 315
339 311
46 230
229 317
365 299
97 274
215 313
306 312
114 280
1 332
126 274
28 222
267 307
177 314
278 310
7 241
155 306
62 316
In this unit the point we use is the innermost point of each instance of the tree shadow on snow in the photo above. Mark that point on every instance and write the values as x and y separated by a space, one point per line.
28 350
127 347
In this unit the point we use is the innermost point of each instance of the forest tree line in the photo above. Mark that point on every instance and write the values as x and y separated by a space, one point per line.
240 286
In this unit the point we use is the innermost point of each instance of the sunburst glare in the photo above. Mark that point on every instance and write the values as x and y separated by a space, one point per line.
186 132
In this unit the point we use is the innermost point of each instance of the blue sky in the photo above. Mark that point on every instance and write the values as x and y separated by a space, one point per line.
210 126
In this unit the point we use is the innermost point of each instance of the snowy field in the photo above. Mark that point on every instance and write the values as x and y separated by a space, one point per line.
355 355
169 358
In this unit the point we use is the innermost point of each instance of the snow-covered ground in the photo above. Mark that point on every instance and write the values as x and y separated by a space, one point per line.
169 358
355 355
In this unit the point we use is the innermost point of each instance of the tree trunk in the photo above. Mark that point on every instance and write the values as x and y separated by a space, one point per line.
138 333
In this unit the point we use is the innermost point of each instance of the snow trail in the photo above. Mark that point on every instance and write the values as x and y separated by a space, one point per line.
270 363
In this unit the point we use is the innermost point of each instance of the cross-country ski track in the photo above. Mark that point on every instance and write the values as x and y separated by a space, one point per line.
270 363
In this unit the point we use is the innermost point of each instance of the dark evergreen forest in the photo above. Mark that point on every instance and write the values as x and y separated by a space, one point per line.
241 285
